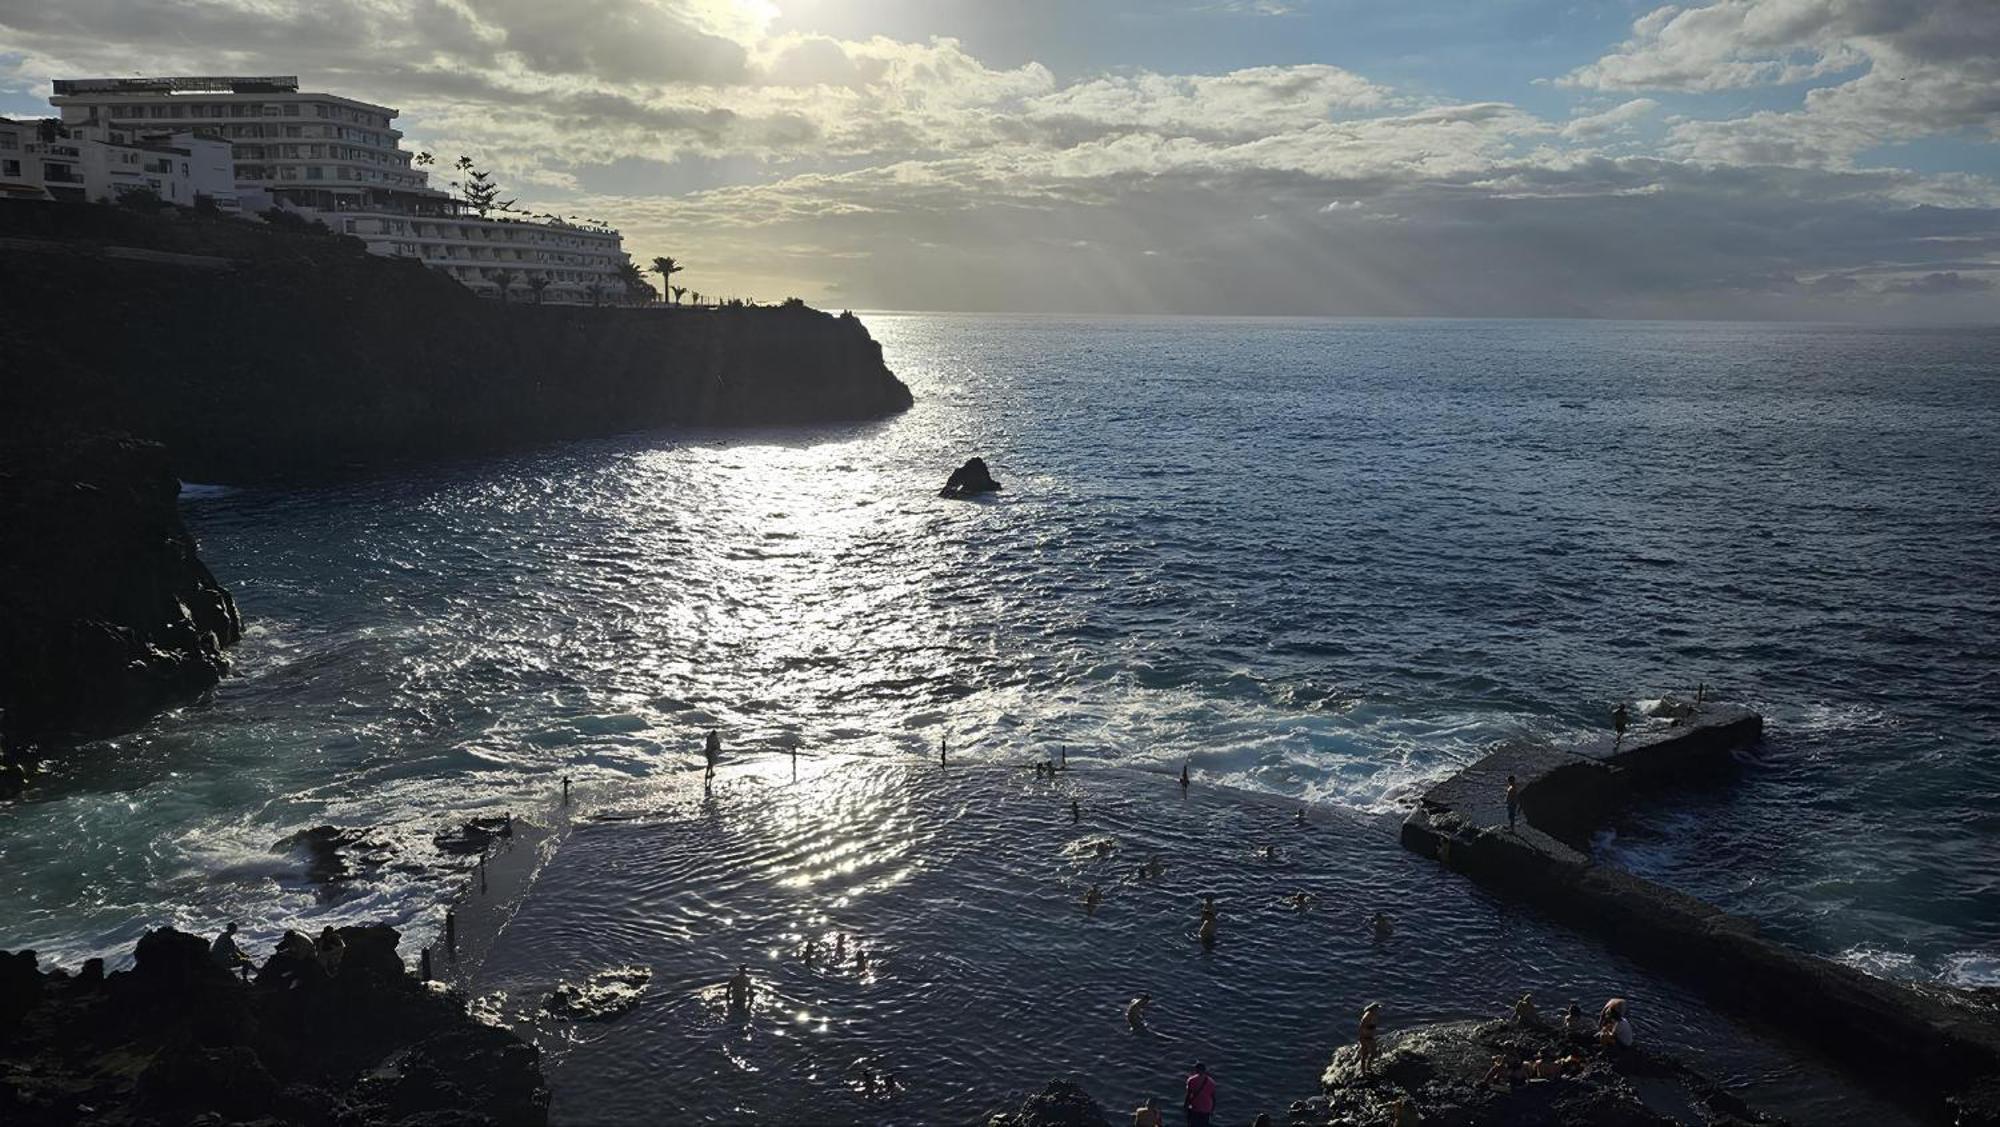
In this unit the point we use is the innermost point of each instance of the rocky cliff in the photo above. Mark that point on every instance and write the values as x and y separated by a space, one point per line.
106 613
255 353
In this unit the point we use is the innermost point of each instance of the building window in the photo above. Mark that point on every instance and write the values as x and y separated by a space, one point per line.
10 168
9 142
315 172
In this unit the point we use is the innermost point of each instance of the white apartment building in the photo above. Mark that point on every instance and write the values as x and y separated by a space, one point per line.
20 173
103 163
341 161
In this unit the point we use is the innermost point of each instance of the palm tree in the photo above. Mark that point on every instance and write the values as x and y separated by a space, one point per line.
538 283
678 291
634 281
666 268
697 298
505 280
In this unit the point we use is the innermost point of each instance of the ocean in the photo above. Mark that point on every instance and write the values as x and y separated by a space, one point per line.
1323 559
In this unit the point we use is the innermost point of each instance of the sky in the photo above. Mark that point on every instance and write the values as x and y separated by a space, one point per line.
1824 159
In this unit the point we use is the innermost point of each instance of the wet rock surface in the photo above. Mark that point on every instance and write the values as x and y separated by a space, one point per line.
336 855
107 613
313 1039
1437 1071
1061 1104
474 836
969 480
601 997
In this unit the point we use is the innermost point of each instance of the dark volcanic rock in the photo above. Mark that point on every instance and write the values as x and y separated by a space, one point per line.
1438 1070
305 355
969 480
177 1039
333 853
106 612
1061 1104
474 836
602 996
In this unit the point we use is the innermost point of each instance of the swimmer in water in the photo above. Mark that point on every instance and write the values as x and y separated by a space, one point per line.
1382 925
807 953
741 991
1104 849
1155 867
1135 1013
1299 816
1091 900
1075 811
840 947
1301 901
1184 774
1206 933
1270 853
860 957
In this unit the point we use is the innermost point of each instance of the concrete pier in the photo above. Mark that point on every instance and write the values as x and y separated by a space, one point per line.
1936 1042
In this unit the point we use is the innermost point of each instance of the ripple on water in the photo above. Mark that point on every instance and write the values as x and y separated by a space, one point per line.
985 974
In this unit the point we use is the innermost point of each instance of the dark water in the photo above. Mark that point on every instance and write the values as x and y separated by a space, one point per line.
1323 559
986 976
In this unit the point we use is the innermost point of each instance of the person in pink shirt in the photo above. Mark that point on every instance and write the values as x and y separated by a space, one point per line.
1200 1101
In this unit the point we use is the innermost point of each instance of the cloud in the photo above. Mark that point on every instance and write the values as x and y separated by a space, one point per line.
900 173
1618 119
1940 284
1926 67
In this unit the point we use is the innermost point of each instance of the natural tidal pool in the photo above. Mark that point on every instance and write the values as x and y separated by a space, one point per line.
985 975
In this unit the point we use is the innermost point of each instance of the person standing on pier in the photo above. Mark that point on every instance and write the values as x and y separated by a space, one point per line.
712 751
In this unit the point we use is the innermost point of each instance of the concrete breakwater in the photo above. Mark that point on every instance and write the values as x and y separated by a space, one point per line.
1938 1045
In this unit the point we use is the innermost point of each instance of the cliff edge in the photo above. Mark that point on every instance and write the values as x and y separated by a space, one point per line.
256 353
106 612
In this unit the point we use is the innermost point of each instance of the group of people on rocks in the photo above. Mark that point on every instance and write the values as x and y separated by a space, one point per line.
230 956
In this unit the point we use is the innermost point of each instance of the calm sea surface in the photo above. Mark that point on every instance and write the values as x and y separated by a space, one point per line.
1326 559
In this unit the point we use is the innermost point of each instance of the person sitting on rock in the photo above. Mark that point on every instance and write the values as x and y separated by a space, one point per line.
227 954
1525 1012
1573 1020
1496 1074
1614 1030
1548 1066
1365 1037
1148 1114
1405 1113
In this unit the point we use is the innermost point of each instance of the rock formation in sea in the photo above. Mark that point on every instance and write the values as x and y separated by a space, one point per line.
255 353
970 479
106 611
178 1039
